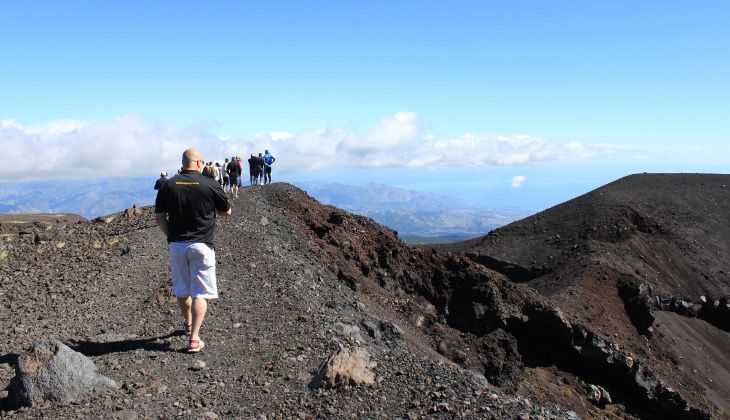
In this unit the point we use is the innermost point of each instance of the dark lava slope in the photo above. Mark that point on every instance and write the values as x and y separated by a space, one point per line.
643 261
297 280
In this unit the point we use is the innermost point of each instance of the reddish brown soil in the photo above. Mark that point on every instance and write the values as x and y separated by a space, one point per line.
670 231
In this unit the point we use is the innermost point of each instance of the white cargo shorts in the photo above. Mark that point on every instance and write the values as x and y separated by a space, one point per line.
192 265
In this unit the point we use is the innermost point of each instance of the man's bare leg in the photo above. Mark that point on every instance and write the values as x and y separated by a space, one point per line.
199 307
184 303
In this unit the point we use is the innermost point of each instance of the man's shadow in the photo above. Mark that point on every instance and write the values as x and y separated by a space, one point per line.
9 358
92 348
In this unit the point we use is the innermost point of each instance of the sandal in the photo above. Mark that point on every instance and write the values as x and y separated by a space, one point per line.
195 346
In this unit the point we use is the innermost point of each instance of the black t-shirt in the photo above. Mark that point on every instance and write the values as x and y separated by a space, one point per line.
190 199
234 169
159 182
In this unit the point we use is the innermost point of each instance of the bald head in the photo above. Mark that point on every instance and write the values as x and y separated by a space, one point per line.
192 160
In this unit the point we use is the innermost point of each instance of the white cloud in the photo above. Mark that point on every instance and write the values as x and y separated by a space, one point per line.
517 181
133 145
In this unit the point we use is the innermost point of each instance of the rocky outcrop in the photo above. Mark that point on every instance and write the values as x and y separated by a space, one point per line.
598 360
346 366
640 300
51 371
514 272
505 362
638 303
714 311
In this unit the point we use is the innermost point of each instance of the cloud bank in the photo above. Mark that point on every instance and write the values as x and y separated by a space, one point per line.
136 146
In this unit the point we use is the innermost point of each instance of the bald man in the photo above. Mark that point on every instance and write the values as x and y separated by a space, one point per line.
185 210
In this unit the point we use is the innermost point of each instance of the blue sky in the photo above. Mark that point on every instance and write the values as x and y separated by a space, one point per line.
455 97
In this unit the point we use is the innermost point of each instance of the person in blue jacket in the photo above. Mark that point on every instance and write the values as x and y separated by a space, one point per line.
268 161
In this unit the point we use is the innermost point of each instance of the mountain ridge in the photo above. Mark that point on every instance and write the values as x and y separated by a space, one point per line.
642 257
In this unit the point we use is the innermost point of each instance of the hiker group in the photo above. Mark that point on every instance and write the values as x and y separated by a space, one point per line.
230 174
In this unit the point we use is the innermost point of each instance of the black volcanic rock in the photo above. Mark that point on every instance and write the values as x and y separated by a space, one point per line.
638 302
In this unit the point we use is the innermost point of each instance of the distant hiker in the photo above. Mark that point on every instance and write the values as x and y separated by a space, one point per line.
161 180
260 167
224 172
268 161
240 171
212 171
234 172
218 174
185 210
209 170
253 169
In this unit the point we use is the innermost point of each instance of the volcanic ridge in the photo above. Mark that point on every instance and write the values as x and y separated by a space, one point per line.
612 305
642 263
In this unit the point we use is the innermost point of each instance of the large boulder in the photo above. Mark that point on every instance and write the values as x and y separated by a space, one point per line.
348 366
51 371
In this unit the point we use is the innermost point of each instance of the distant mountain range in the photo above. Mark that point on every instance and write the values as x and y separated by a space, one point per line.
88 198
418 217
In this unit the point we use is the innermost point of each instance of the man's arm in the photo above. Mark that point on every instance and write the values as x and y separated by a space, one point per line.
225 213
161 219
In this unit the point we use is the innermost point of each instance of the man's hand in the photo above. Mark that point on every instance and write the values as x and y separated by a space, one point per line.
161 219
225 213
